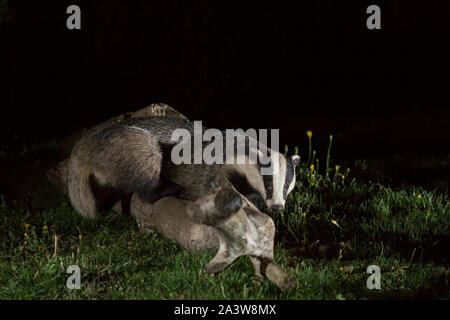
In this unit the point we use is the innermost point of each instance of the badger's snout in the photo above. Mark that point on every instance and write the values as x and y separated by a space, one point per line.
277 208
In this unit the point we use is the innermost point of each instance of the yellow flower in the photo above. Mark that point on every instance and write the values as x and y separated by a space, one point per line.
309 133
341 268
45 227
311 166
419 196
27 225
80 236
343 177
335 223
25 234
25 242
303 214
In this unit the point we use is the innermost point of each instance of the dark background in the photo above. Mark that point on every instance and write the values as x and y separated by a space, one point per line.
297 66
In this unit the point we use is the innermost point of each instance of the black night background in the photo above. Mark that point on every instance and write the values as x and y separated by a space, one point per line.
294 66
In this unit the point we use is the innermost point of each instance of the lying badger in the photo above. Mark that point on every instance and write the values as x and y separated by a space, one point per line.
133 156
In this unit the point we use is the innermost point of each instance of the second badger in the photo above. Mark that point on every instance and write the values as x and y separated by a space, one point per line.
133 156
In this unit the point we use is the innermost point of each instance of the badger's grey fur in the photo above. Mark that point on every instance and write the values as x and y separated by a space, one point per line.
133 156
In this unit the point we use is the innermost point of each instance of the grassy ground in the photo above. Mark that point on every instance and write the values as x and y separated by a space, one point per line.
338 221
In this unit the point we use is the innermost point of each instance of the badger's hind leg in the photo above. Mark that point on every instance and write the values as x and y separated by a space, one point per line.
105 196
113 163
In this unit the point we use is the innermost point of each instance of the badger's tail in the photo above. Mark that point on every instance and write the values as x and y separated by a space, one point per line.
80 192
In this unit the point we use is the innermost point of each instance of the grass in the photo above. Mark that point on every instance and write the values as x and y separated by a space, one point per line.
337 222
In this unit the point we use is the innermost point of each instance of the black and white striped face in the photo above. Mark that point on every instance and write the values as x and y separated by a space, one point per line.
281 182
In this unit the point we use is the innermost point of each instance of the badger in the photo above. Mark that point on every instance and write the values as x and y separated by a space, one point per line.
133 157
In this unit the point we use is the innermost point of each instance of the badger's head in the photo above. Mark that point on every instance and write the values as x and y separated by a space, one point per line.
281 181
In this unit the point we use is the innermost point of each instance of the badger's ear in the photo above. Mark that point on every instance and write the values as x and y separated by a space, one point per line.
295 160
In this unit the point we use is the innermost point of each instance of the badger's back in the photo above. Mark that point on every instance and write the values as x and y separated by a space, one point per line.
134 156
